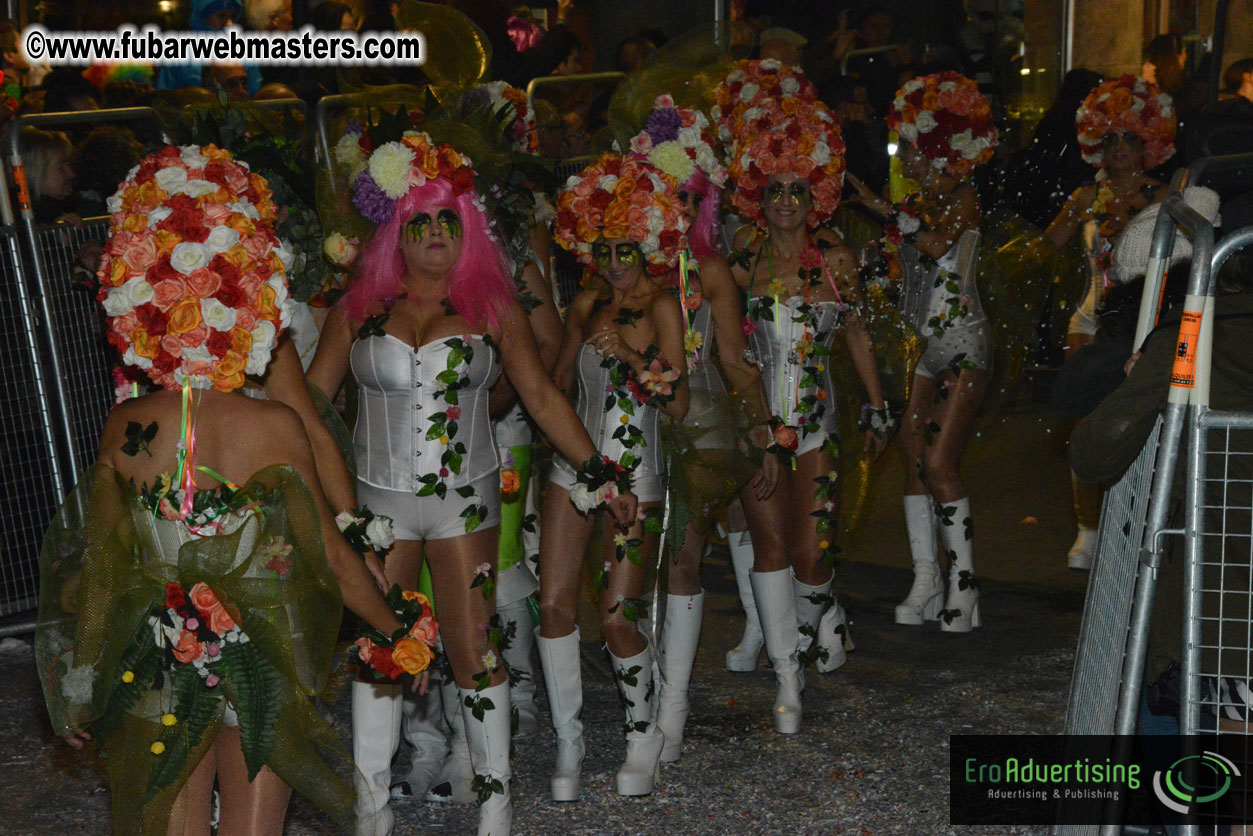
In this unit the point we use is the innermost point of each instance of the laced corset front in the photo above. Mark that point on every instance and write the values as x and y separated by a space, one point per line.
945 294
603 419
406 421
798 382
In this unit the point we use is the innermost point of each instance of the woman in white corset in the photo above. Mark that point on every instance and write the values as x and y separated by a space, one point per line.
787 164
724 392
623 353
426 328
946 130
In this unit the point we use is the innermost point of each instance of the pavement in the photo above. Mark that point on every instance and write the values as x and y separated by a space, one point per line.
872 758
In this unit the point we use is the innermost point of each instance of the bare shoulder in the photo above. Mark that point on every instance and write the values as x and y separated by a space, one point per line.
838 256
582 304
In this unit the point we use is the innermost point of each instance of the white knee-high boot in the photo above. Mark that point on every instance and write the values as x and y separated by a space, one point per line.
426 731
452 784
679 638
486 715
776 603
961 610
743 657
376 712
926 596
518 656
643 739
819 616
563 680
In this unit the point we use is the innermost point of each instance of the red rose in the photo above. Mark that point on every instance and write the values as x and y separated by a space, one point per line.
748 326
224 268
366 144
219 343
230 295
174 596
381 661
164 363
669 239
600 199
462 180
152 319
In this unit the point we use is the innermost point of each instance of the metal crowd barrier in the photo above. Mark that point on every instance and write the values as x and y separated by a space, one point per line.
1109 666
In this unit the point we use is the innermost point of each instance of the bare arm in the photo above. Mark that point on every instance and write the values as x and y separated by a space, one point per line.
285 382
1071 217
546 327
720 289
330 365
563 369
667 316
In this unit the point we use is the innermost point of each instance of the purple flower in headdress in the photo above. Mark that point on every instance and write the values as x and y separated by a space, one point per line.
354 127
663 125
375 206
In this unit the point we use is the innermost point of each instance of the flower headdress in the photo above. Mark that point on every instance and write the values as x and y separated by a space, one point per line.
945 117
383 175
749 84
510 107
1127 105
622 197
193 278
806 143
677 141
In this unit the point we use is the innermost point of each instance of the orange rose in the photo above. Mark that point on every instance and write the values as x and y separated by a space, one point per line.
166 241
412 656
228 384
119 272
786 437
135 223
241 340
206 600
414 595
188 648
510 482
184 316
425 629
242 224
232 363
265 304
145 346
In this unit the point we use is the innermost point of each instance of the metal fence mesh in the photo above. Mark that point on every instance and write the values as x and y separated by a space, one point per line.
29 489
78 330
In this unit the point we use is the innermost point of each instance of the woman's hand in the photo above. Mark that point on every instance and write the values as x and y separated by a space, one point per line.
864 195
877 443
421 682
375 566
766 479
77 739
624 507
609 343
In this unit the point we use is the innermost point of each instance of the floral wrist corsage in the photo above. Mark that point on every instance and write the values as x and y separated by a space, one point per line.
654 385
600 479
365 530
783 439
411 649
880 421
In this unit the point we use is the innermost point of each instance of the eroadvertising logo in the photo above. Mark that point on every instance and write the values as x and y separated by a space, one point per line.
1091 779
1173 786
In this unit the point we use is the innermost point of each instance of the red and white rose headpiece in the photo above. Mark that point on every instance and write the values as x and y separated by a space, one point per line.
805 142
1127 105
677 141
622 197
751 82
945 117
193 277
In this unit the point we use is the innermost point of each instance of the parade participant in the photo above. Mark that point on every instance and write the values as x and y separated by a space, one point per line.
787 165
185 623
624 345
946 130
426 327
677 141
1126 128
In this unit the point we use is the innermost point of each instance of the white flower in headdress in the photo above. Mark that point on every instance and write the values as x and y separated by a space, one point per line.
607 182
199 188
192 158
790 86
348 153
391 166
925 122
138 291
171 179
748 91
821 155
189 256
220 238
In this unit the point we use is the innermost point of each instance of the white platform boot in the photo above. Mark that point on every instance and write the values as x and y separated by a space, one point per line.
518 656
744 656
488 738
818 614
776 603
376 712
961 610
679 638
563 680
644 740
926 596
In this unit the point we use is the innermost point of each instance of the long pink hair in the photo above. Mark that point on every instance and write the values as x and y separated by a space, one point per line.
702 236
479 284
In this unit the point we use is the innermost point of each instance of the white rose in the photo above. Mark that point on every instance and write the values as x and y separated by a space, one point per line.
790 86
171 179
772 64
117 302
198 188
113 204
196 354
284 253
925 122
192 158
188 257
340 250
655 222
582 498
133 359
748 91
157 215
689 137
263 337
607 182
379 533
821 155
908 133
216 315
221 239
244 208
945 86
138 290
344 519
738 75
752 113
348 151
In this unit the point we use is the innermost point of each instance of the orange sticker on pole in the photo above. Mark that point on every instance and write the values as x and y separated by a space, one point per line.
1183 373
23 192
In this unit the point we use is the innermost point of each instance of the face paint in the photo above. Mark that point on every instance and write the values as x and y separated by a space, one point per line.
798 191
450 222
629 255
694 197
415 230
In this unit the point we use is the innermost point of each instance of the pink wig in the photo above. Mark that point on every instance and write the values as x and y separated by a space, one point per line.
702 236
524 33
479 284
